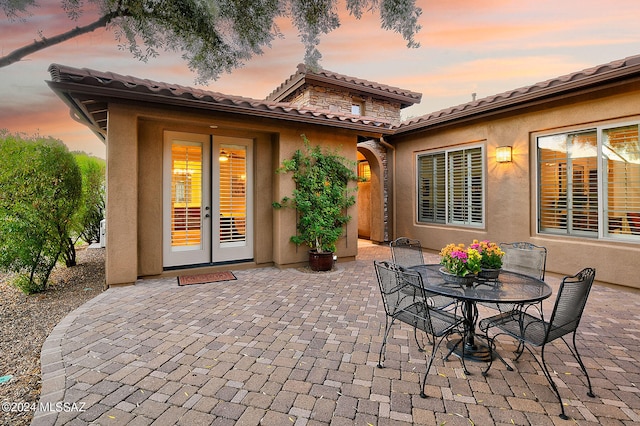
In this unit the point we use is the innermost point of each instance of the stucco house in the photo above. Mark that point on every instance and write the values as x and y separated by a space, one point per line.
191 173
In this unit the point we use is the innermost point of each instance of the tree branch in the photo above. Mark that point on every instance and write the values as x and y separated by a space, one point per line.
45 42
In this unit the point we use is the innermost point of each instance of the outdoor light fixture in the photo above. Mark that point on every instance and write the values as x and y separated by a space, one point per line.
503 154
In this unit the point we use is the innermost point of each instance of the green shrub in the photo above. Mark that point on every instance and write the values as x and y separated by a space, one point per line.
321 197
90 212
40 187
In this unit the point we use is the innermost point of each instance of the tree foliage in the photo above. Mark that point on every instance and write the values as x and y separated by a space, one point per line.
40 186
214 36
321 197
90 212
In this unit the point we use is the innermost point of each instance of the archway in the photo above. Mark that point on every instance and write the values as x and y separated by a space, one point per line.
373 221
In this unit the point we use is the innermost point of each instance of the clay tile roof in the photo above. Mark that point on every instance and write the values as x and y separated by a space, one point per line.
78 85
590 77
305 75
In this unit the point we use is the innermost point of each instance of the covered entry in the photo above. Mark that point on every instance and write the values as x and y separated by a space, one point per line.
207 199
373 220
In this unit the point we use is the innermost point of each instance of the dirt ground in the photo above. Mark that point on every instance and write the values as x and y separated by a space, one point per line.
26 321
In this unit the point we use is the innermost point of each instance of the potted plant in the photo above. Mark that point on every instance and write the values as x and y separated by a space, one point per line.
491 258
321 198
460 264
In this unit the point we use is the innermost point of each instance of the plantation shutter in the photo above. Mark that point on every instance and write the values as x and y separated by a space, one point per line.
465 189
583 182
233 194
186 195
621 164
568 183
552 160
431 188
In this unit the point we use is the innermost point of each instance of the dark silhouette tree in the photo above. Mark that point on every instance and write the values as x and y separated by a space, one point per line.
214 36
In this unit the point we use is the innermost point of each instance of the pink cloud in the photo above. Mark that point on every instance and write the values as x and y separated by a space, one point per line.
482 46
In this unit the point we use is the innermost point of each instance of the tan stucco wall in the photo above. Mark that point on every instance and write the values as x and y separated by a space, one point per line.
151 136
364 209
134 191
286 252
121 190
511 206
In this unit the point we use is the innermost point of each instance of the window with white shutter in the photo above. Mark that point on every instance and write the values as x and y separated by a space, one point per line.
451 187
589 183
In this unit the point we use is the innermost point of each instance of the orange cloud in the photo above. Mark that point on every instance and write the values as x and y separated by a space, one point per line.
55 122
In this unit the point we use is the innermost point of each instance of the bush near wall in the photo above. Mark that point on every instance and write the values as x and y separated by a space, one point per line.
40 188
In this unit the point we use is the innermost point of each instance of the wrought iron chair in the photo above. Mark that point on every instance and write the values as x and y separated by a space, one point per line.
531 330
524 258
407 252
401 305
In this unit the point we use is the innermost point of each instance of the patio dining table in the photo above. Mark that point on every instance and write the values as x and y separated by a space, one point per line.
509 288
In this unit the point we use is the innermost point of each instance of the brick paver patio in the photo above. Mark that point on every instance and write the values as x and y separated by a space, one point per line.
280 347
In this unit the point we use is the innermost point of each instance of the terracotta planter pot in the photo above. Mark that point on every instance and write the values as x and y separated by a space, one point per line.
320 261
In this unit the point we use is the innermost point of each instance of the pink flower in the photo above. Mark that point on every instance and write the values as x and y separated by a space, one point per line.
461 255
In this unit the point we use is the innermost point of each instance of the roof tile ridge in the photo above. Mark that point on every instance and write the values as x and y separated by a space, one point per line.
549 83
364 82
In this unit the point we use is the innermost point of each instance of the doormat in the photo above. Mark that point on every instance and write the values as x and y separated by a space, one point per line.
206 278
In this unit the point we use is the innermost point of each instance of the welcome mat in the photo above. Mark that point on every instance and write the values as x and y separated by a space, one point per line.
206 278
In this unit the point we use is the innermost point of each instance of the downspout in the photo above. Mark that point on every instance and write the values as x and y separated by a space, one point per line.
391 148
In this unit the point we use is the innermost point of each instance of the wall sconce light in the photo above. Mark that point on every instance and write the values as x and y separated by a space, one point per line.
503 154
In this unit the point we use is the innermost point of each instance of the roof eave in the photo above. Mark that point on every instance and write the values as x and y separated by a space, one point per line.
287 88
574 88
78 112
66 91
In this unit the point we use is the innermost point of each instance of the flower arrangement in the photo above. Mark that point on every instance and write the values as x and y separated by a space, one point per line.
459 260
490 253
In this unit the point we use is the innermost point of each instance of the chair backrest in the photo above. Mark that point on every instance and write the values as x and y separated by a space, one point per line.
570 302
524 258
406 252
390 287
403 295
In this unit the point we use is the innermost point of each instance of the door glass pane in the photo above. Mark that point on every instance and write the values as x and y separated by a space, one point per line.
186 196
233 194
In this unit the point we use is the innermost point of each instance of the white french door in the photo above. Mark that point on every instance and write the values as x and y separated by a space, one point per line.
232 192
207 199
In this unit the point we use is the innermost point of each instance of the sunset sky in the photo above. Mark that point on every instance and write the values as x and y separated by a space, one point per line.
467 46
